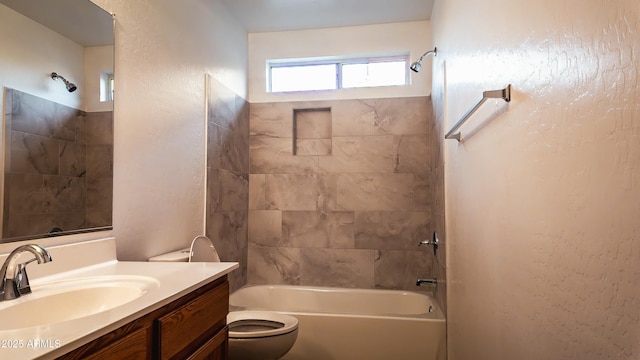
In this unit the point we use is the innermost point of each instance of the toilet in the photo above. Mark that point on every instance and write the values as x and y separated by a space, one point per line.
260 335
253 335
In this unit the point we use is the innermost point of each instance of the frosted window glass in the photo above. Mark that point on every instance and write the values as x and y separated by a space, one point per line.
374 74
303 78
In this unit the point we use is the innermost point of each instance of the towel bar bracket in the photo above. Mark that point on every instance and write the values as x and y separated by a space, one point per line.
504 94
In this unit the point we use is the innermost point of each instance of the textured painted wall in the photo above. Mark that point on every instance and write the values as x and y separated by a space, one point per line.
163 51
543 238
97 60
350 214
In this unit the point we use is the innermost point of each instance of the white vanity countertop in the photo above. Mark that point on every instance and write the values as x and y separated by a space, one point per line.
50 341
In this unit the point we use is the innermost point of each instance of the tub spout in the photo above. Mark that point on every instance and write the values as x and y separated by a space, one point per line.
433 282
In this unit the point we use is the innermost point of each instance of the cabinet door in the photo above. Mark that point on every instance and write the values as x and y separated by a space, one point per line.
217 348
131 346
186 329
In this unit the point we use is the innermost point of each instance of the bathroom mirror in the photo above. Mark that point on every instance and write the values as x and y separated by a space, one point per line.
57 133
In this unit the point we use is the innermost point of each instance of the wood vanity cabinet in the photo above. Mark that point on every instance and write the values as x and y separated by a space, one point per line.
192 327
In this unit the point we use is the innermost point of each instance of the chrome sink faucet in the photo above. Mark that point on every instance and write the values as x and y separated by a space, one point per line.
14 281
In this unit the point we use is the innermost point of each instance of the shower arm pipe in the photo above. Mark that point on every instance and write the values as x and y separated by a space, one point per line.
504 94
434 52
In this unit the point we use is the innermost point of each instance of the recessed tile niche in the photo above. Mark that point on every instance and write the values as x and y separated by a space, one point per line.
312 131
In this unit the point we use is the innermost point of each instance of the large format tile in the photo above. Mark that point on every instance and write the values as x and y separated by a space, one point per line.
257 192
229 233
46 223
291 192
313 147
222 108
99 219
100 200
337 267
403 116
227 149
378 166
353 117
73 159
99 128
400 269
413 154
360 154
99 161
316 229
34 154
275 156
34 115
228 177
227 191
63 194
274 265
16 225
265 227
271 119
391 230
50 141
383 192
300 192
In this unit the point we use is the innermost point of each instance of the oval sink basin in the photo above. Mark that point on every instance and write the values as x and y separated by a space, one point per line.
59 301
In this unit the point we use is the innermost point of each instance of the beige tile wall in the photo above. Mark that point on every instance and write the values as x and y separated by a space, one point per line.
353 217
228 176
59 167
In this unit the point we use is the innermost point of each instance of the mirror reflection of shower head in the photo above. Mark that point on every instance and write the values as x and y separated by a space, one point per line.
416 66
71 87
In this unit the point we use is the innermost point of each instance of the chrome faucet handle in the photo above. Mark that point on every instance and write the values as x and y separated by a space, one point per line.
22 280
13 275
433 242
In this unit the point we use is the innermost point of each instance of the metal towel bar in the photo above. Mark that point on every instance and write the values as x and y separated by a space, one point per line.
504 94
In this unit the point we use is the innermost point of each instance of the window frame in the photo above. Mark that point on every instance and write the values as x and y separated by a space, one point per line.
339 62
110 86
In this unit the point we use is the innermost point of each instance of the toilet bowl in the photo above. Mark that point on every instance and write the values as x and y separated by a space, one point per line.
260 335
253 335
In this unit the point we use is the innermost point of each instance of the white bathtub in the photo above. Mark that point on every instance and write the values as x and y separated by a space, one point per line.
347 324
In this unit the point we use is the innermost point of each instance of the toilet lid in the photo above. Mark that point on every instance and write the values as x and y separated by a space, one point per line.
255 324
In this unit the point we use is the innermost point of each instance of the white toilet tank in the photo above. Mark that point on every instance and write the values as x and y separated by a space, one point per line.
175 256
201 250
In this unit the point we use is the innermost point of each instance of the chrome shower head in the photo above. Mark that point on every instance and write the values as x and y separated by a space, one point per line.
417 66
71 87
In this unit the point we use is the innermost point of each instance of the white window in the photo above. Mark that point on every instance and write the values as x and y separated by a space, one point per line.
303 77
111 87
106 86
369 74
311 75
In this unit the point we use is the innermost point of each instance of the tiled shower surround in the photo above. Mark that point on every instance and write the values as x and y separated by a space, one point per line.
348 210
228 176
353 217
58 172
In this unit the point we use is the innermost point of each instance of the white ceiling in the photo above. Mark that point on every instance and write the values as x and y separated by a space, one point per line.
73 18
283 15
81 21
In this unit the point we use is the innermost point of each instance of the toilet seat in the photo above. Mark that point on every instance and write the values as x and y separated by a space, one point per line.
285 323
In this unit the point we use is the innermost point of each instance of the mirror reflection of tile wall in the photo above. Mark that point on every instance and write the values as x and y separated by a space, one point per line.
58 167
